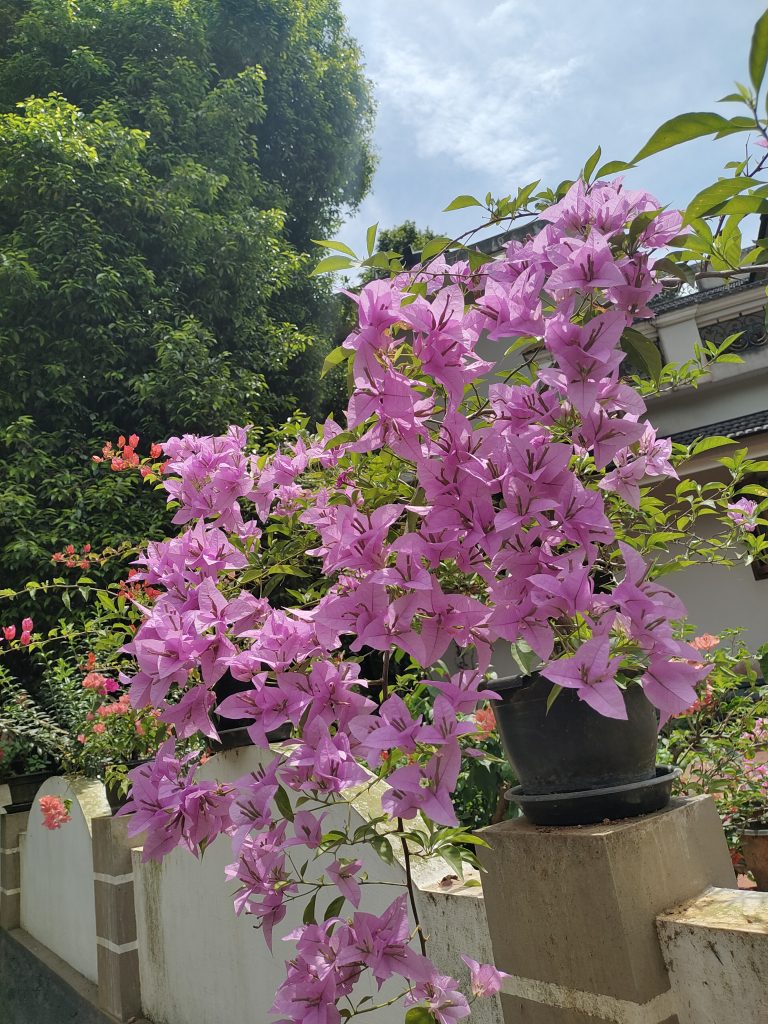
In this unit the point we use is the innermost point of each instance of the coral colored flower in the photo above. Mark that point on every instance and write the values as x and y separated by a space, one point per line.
705 642
155 451
99 727
485 722
55 812
81 737
9 632
133 440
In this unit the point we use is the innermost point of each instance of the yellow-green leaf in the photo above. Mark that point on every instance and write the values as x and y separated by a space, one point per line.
758 53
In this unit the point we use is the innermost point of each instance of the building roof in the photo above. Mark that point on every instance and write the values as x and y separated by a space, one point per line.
740 426
665 302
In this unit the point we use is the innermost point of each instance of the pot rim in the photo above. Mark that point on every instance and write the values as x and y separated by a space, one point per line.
755 831
665 774
506 683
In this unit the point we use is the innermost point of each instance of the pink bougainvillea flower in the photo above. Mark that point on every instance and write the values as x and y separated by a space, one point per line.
744 514
592 673
442 997
485 980
9 632
27 625
342 874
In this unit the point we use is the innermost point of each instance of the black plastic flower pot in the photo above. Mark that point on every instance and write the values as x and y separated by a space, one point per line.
570 748
230 739
23 789
115 798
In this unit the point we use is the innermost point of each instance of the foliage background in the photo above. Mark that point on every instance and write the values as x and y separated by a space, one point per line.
157 203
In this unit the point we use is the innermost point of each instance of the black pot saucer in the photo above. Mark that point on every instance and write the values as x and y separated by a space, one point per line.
591 806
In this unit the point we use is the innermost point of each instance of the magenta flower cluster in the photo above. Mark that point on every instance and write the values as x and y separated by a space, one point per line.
515 488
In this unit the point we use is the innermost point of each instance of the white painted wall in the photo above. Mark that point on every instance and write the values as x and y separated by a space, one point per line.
202 965
57 901
716 951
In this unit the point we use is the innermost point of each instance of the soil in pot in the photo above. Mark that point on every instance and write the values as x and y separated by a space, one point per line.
755 845
570 747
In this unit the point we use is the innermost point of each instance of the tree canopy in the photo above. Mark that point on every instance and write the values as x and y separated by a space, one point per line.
164 165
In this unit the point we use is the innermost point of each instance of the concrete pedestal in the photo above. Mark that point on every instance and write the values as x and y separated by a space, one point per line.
572 911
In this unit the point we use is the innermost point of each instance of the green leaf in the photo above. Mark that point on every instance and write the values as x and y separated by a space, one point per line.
330 264
478 259
642 352
308 917
554 693
379 260
452 856
334 907
334 358
613 167
283 803
706 444
383 848
758 53
461 203
370 237
434 246
712 195
419 1015
683 128
338 246
591 163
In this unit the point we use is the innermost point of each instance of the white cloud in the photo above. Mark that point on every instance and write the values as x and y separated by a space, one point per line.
473 88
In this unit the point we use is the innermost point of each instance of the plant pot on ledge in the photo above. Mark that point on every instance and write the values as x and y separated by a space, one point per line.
233 733
754 842
575 766
23 789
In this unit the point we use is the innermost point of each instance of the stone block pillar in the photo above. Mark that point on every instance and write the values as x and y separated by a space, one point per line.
11 827
116 940
572 911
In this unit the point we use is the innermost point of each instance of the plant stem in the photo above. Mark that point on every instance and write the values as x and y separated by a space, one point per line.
410 887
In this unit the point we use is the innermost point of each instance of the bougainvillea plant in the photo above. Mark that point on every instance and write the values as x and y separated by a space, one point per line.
459 509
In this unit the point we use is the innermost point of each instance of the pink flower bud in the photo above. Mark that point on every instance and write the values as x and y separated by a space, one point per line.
26 638
27 625
9 632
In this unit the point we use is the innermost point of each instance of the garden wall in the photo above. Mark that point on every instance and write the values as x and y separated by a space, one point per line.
163 939
573 914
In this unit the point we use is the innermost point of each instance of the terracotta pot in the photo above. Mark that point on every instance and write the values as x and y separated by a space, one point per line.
755 845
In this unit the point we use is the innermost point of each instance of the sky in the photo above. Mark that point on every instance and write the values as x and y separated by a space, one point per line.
478 96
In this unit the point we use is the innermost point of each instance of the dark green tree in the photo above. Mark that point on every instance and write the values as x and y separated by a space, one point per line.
157 201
